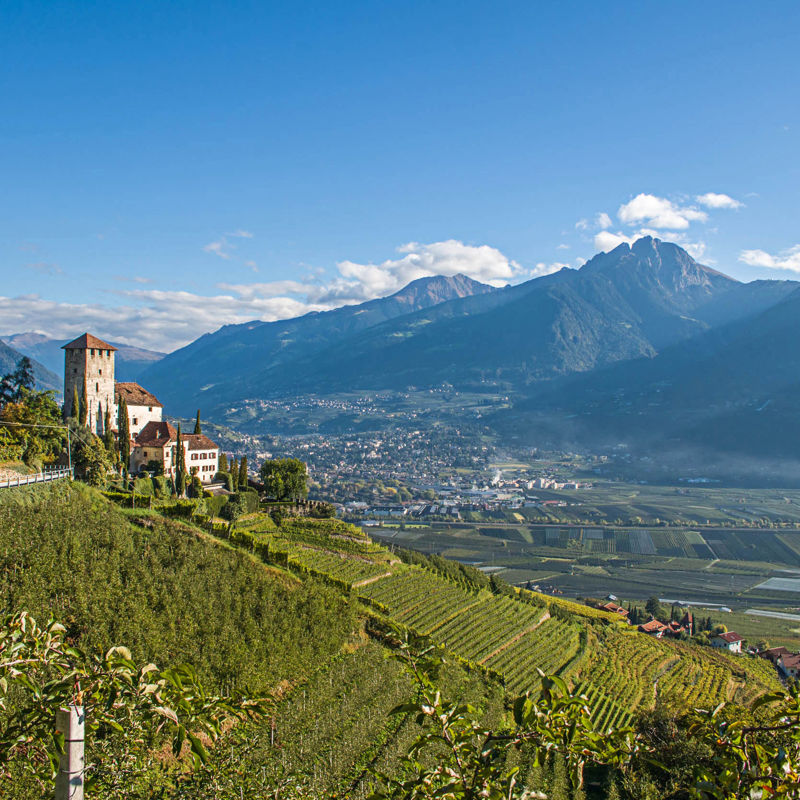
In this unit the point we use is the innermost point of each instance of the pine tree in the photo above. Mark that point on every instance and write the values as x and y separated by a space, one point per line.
123 435
243 472
197 428
222 463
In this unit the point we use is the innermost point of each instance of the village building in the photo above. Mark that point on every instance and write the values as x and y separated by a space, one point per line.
730 641
775 654
155 448
790 665
653 628
143 407
613 608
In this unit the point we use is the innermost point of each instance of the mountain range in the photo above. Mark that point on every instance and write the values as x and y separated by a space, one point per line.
45 379
130 361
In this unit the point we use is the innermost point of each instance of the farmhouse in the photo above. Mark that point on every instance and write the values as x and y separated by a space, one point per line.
775 654
728 641
653 628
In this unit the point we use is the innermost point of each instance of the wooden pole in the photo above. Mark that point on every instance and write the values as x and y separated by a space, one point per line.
69 781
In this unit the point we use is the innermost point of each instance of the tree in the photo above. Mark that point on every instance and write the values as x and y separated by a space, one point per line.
16 384
234 470
123 435
75 411
83 408
131 710
197 428
653 607
91 460
222 465
243 472
108 437
285 478
180 466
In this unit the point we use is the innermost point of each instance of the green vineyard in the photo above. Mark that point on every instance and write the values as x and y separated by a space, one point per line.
520 633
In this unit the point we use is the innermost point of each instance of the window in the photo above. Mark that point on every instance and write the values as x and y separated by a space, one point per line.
100 372
149 408
74 370
97 387
135 421
92 351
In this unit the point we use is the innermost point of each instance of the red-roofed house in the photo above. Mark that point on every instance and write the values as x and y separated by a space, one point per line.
157 442
653 628
790 665
775 654
728 641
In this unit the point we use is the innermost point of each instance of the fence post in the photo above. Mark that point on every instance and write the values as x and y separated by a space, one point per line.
69 781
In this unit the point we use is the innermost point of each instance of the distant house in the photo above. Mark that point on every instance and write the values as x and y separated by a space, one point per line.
653 628
143 407
613 608
790 665
775 654
728 641
157 442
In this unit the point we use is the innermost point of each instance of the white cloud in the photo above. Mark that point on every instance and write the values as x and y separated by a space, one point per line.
241 234
660 213
359 282
543 268
251 265
603 221
787 259
218 249
164 320
606 240
562 246
582 225
715 200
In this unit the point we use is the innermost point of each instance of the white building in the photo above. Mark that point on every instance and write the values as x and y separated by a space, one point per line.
728 641
157 442
143 407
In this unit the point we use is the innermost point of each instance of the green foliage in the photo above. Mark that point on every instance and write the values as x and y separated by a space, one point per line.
15 385
285 479
21 438
157 585
129 709
91 459
243 473
198 429
123 434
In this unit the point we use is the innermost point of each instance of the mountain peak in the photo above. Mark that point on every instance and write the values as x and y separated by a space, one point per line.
437 289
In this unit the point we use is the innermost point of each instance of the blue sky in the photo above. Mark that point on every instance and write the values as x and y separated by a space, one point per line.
171 167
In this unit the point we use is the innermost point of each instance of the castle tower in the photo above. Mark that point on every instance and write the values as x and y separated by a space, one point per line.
89 361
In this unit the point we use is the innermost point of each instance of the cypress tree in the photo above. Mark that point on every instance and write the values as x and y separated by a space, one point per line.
180 466
197 428
108 435
235 474
83 413
222 463
124 435
243 472
75 411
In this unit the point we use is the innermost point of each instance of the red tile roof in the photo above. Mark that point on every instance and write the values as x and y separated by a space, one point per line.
134 394
652 627
730 637
159 434
156 434
198 441
792 661
87 341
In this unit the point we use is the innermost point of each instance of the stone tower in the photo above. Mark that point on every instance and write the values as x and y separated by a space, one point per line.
89 361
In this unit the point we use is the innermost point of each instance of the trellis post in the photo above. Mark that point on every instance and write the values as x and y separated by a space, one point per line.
69 781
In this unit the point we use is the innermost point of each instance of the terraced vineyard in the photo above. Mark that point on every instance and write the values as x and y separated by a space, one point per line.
513 636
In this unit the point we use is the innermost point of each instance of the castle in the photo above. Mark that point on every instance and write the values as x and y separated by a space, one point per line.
89 373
